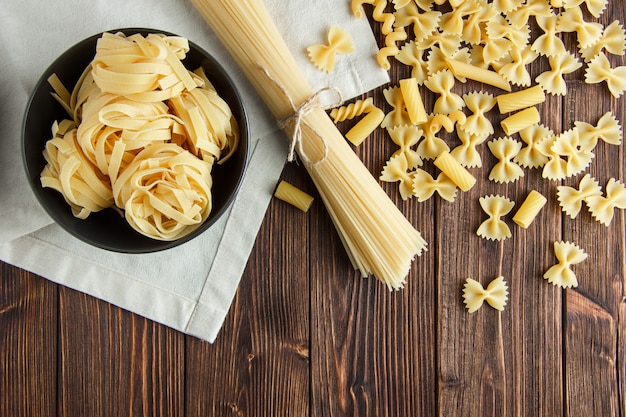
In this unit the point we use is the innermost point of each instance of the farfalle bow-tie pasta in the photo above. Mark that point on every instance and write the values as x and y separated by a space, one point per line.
323 56
561 274
474 295
494 228
144 136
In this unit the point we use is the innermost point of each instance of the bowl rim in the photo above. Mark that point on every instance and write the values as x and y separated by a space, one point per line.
156 245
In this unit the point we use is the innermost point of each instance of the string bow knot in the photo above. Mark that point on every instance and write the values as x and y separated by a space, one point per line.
295 120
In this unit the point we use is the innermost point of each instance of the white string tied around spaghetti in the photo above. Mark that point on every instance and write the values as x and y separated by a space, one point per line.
296 119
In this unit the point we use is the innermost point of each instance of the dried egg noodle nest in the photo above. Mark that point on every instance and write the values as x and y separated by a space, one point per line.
144 136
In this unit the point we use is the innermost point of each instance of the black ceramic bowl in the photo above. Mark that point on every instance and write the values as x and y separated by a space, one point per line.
107 229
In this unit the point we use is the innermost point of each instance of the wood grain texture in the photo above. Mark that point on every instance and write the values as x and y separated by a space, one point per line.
261 361
28 344
307 336
112 362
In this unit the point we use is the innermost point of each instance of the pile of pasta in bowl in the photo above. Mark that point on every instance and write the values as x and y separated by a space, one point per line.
142 137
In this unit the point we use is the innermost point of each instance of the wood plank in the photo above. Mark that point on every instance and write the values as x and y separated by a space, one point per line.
506 363
594 311
372 349
28 345
113 362
260 360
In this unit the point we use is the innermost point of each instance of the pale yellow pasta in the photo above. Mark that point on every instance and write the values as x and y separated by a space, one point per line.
536 8
424 186
555 167
406 137
572 20
212 131
360 131
552 81
529 209
395 170
413 100
602 207
293 195
338 42
357 7
448 43
548 44
466 153
595 7
501 28
520 120
567 146
461 69
505 6
496 207
477 123
123 66
110 120
398 116
69 172
521 99
455 171
492 50
372 119
472 32
613 40
529 156
561 274
571 199
452 22
515 71
165 192
380 15
378 239
437 60
432 145
399 4
412 56
60 93
424 23
599 70
474 295
505 170
131 146
352 110
442 83
424 4
391 47
608 129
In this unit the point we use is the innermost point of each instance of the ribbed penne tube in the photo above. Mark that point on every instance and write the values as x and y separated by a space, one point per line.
359 132
485 76
529 209
520 120
413 100
522 99
291 194
455 171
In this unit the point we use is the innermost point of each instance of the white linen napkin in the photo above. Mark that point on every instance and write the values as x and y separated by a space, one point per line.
190 287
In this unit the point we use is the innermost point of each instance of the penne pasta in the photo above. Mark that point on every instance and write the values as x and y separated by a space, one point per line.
520 120
293 195
529 209
522 99
455 171
485 76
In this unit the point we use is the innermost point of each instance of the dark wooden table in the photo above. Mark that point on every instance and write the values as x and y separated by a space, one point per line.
307 336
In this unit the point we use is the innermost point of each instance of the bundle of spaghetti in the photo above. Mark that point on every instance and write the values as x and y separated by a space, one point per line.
379 240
